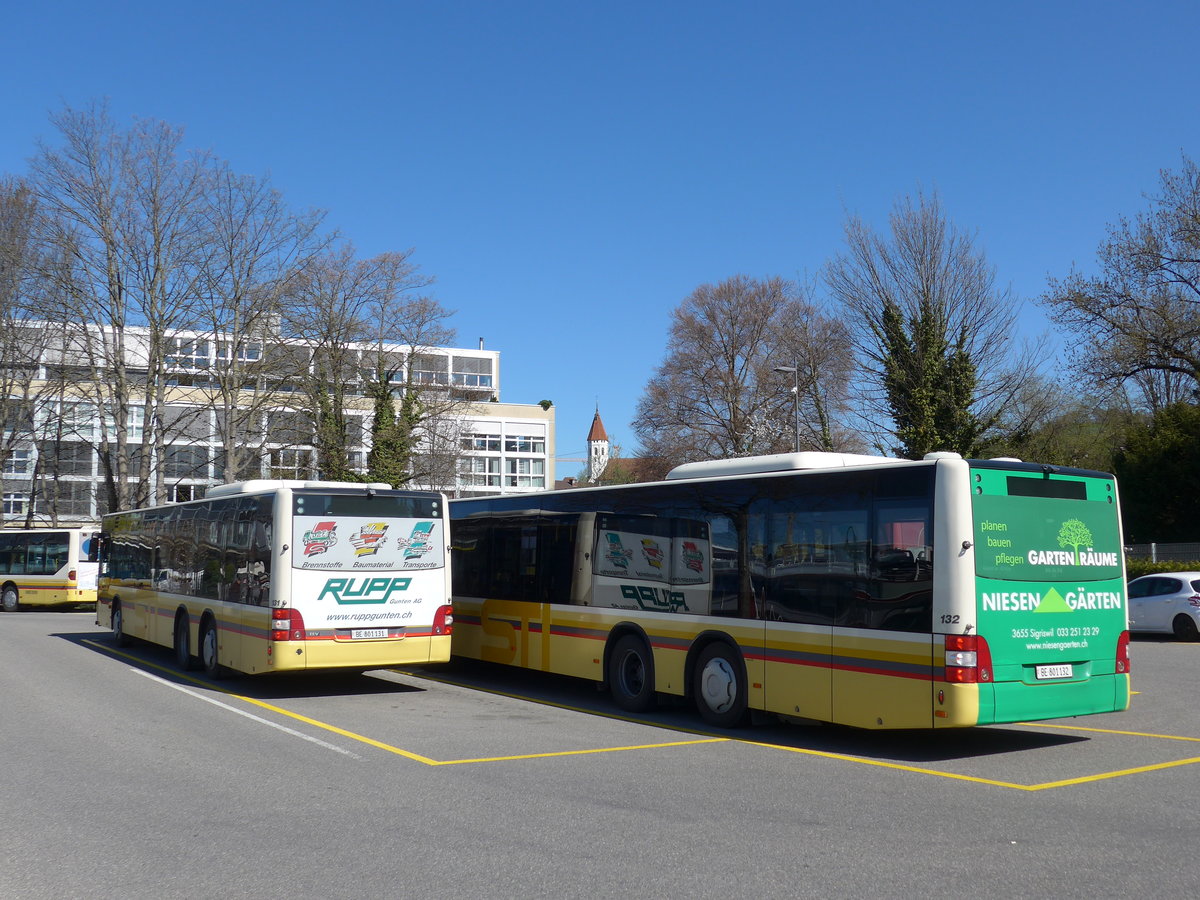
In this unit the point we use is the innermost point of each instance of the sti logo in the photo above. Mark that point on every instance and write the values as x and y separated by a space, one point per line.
320 538
368 539
419 542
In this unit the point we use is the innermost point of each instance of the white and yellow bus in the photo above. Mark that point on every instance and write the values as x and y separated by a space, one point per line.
871 592
280 576
47 567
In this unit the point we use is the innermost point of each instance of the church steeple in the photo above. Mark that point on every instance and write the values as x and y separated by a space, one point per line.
597 442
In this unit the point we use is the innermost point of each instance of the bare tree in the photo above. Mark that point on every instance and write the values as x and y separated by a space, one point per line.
932 331
122 212
341 303
256 252
26 397
1138 321
718 394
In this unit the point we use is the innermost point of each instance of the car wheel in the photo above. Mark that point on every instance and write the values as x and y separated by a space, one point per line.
719 686
10 600
631 674
1185 628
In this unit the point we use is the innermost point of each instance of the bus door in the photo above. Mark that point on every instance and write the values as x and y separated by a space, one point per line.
883 594
798 606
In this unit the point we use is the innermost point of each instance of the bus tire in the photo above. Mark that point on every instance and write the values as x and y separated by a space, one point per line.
183 650
120 638
208 649
1183 626
10 600
719 686
631 674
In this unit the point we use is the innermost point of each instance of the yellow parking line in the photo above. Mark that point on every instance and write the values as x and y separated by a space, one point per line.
1142 734
483 759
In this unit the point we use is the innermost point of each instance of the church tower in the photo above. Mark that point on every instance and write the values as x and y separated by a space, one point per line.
597 443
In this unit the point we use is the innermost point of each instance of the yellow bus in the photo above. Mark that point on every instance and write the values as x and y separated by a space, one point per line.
281 576
870 592
47 567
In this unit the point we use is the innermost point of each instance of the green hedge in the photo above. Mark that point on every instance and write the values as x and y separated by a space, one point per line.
1144 566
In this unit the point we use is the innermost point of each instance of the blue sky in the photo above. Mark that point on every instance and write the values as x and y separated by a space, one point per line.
570 172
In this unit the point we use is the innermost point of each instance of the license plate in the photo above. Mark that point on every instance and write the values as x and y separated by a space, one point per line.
1060 671
366 634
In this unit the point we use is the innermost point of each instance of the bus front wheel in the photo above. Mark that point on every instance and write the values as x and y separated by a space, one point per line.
120 638
631 674
719 686
10 600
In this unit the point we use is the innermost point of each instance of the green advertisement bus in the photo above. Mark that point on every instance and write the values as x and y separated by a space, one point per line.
866 591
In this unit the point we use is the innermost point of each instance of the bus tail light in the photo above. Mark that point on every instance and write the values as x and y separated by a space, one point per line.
287 625
443 620
1123 653
968 659
71 575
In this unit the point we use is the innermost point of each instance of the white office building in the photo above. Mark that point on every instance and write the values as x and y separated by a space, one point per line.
54 467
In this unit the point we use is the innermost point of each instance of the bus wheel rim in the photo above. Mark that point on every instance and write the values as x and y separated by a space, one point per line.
718 685
632 674
210 647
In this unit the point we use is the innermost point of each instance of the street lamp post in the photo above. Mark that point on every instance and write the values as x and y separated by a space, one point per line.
795 370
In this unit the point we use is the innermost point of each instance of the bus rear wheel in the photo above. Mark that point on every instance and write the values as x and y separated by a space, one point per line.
10 599
631 674
719 686
208 650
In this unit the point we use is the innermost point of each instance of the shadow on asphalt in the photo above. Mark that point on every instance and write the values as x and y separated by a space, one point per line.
677 714
160 661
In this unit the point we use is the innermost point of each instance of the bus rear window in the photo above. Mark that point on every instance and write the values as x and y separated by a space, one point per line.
359 504
1057 488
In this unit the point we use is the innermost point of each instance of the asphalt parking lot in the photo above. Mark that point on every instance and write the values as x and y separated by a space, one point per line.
469 778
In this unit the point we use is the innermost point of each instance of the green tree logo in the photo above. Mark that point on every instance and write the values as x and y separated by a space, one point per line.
1074 534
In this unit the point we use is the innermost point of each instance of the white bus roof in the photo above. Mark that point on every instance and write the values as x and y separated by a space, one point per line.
781 462
259 485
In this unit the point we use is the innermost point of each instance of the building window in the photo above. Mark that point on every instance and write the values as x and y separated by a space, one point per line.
297 464
69 499
523 443
188 353
525 473
479 471
19 462
470 380
66 458
289 427
481 442
186 462
133 424
249 352
180 493
15 504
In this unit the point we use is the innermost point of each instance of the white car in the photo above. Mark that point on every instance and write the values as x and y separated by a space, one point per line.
1168 603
